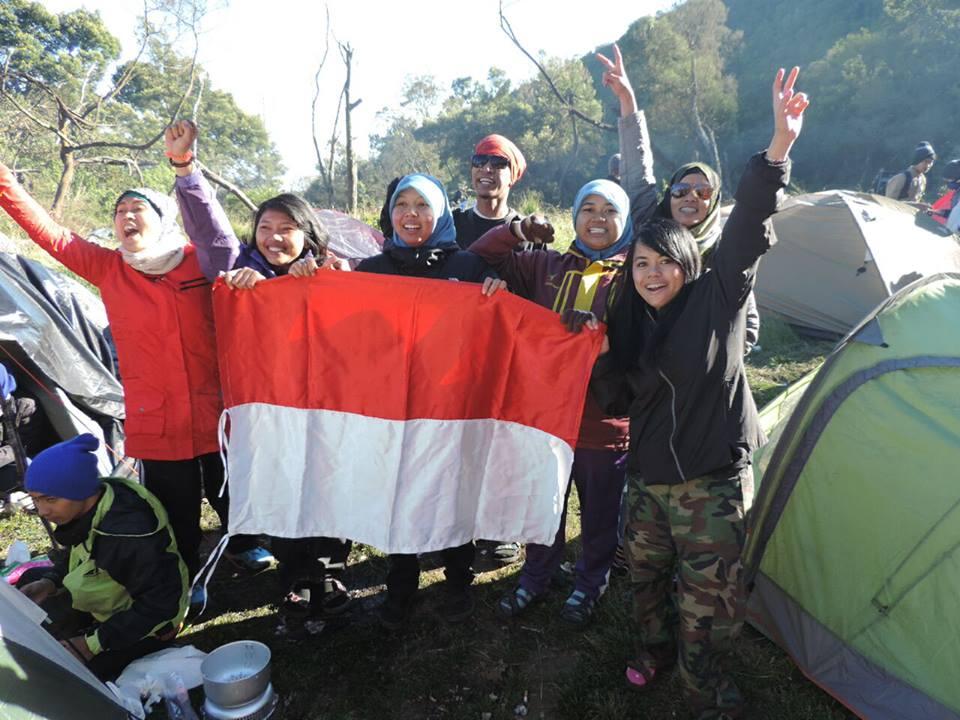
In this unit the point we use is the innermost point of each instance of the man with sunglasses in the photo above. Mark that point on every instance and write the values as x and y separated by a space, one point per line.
496 166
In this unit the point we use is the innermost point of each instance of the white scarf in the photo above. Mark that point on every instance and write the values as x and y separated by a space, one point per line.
166 252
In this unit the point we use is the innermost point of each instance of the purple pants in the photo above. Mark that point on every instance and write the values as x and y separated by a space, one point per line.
600 485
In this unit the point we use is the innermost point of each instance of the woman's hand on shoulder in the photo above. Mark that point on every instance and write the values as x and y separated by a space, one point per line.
788 108
536 228
615 77
242 278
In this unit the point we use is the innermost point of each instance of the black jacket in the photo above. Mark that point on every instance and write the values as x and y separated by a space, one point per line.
694 414
438 263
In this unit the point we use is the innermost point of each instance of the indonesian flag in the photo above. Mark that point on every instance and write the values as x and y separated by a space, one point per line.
404 413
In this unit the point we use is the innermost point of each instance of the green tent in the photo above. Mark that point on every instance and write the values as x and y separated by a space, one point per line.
855 541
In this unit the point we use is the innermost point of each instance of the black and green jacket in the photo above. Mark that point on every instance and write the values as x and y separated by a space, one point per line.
123 568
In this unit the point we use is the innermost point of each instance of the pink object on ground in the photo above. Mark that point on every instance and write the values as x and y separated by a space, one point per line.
20 569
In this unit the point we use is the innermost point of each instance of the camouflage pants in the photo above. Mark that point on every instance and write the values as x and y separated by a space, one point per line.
683 545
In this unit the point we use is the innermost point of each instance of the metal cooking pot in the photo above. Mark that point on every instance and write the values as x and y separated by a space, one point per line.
236 673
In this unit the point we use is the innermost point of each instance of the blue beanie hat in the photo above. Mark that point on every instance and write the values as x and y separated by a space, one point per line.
66 470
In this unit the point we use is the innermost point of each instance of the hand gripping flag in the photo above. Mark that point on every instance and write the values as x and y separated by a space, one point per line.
404 413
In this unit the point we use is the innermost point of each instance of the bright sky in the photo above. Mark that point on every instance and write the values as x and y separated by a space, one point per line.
266 53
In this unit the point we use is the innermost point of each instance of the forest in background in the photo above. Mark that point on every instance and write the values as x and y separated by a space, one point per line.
881 75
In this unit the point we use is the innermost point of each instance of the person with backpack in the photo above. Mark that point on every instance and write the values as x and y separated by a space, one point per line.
910 184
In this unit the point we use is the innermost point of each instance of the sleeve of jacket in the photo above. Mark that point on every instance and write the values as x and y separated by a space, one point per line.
636 166
610 388
151 575
519 269
748 233
206 224
88 260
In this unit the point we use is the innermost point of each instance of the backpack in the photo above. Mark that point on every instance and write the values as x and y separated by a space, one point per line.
879 186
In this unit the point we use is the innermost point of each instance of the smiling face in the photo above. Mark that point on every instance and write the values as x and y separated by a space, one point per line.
690 210
598 224
136 225
412 218
279 238
491 182
657 278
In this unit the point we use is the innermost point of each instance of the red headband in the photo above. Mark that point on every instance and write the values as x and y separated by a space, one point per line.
499 145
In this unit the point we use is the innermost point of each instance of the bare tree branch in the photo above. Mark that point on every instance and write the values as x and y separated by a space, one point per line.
568 104
328 180
218 179
704 131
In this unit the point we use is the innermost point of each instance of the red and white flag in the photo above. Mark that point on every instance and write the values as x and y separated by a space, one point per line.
407 414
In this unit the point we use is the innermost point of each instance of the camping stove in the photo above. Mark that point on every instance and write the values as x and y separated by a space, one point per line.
260 708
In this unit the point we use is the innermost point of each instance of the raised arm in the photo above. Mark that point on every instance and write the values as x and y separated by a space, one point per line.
204 220
747 234
636 157
520 269
88 260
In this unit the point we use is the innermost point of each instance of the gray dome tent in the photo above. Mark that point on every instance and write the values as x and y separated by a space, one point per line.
839 254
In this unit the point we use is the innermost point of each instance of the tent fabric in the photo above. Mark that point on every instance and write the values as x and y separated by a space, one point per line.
854 526
405 413
53 338
839 254
38 677
349 237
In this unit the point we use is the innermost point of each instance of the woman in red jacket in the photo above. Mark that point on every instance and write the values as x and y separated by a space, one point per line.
156 290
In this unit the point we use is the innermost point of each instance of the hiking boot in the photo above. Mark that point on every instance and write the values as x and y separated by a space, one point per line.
316 599
254 559
395 612
458 606
493 553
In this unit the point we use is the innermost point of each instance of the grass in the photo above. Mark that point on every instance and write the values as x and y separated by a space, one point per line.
486 668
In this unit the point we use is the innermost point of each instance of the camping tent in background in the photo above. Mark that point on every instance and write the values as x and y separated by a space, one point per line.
840 254
38 677
349 237
52 338
854 548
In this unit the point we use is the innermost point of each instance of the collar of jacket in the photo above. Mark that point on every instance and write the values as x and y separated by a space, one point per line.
419 257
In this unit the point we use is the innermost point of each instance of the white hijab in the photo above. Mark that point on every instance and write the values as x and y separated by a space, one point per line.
166 252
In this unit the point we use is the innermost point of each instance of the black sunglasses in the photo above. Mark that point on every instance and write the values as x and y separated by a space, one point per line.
682 189
496 161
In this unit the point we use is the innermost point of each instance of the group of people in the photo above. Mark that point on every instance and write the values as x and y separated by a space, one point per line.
669 390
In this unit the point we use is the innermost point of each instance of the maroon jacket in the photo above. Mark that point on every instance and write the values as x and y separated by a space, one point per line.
553 280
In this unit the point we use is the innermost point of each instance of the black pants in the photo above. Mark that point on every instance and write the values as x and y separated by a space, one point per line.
180 485
310 558
404 576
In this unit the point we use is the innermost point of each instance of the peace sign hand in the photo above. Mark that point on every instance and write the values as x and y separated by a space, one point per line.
615 77
788 108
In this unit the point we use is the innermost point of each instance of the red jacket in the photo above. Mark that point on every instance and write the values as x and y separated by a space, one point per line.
163 328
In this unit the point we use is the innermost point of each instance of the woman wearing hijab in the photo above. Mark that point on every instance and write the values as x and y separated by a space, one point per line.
583 279
675 364
693 195
288 238
424 244
156 290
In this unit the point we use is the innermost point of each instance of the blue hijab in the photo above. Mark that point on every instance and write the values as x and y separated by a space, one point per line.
444 233
613 194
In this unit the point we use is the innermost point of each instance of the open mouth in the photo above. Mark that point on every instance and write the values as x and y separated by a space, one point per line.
655 288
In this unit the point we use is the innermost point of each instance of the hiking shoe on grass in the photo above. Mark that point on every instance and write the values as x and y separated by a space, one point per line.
516 601
578 609
254 559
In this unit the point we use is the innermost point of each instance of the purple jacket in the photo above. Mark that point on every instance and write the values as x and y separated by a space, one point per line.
205 223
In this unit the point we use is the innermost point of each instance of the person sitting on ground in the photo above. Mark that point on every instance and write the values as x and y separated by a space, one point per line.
125 586
156 288
424 244
910 184
288 238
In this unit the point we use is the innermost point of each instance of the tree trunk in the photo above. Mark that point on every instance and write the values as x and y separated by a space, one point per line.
66 181
704 131
348 110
